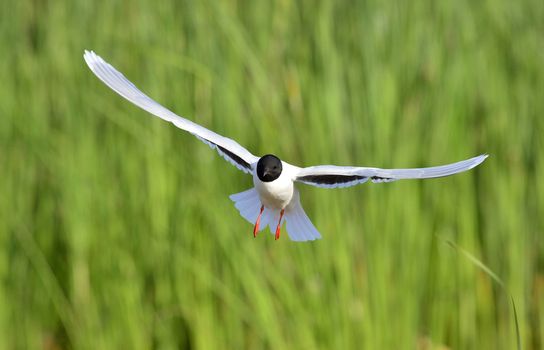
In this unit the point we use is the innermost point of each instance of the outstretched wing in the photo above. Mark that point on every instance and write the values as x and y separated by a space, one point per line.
229 149
332 176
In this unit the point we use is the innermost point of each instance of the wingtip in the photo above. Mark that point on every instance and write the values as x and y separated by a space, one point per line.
483 157
90 56
92 59
479 160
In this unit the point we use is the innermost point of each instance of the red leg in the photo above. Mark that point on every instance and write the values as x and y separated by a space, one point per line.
256 228
278 228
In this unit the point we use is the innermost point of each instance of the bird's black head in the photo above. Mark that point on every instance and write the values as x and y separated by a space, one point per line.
269 168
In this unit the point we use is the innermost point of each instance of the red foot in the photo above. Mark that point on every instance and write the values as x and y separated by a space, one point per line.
278 228
256 228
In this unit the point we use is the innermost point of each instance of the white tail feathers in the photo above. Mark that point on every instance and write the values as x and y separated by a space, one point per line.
298 225
249 204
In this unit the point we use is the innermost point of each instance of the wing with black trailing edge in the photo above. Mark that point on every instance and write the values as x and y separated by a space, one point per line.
229 149
332 176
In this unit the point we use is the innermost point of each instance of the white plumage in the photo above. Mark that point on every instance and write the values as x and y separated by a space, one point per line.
274 198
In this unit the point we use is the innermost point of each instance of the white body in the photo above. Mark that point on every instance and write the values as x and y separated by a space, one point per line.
280 193
276 194
299 227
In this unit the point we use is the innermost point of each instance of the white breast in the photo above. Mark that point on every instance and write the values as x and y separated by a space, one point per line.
275 194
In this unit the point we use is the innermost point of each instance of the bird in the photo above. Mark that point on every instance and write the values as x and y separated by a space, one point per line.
274 198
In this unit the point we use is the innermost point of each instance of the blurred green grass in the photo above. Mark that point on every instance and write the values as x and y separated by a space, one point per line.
116 228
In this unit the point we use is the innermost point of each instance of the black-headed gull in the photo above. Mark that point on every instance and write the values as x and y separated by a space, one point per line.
274 198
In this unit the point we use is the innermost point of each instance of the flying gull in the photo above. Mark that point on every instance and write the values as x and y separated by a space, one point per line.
274 199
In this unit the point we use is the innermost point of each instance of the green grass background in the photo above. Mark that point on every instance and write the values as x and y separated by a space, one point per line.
116 230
